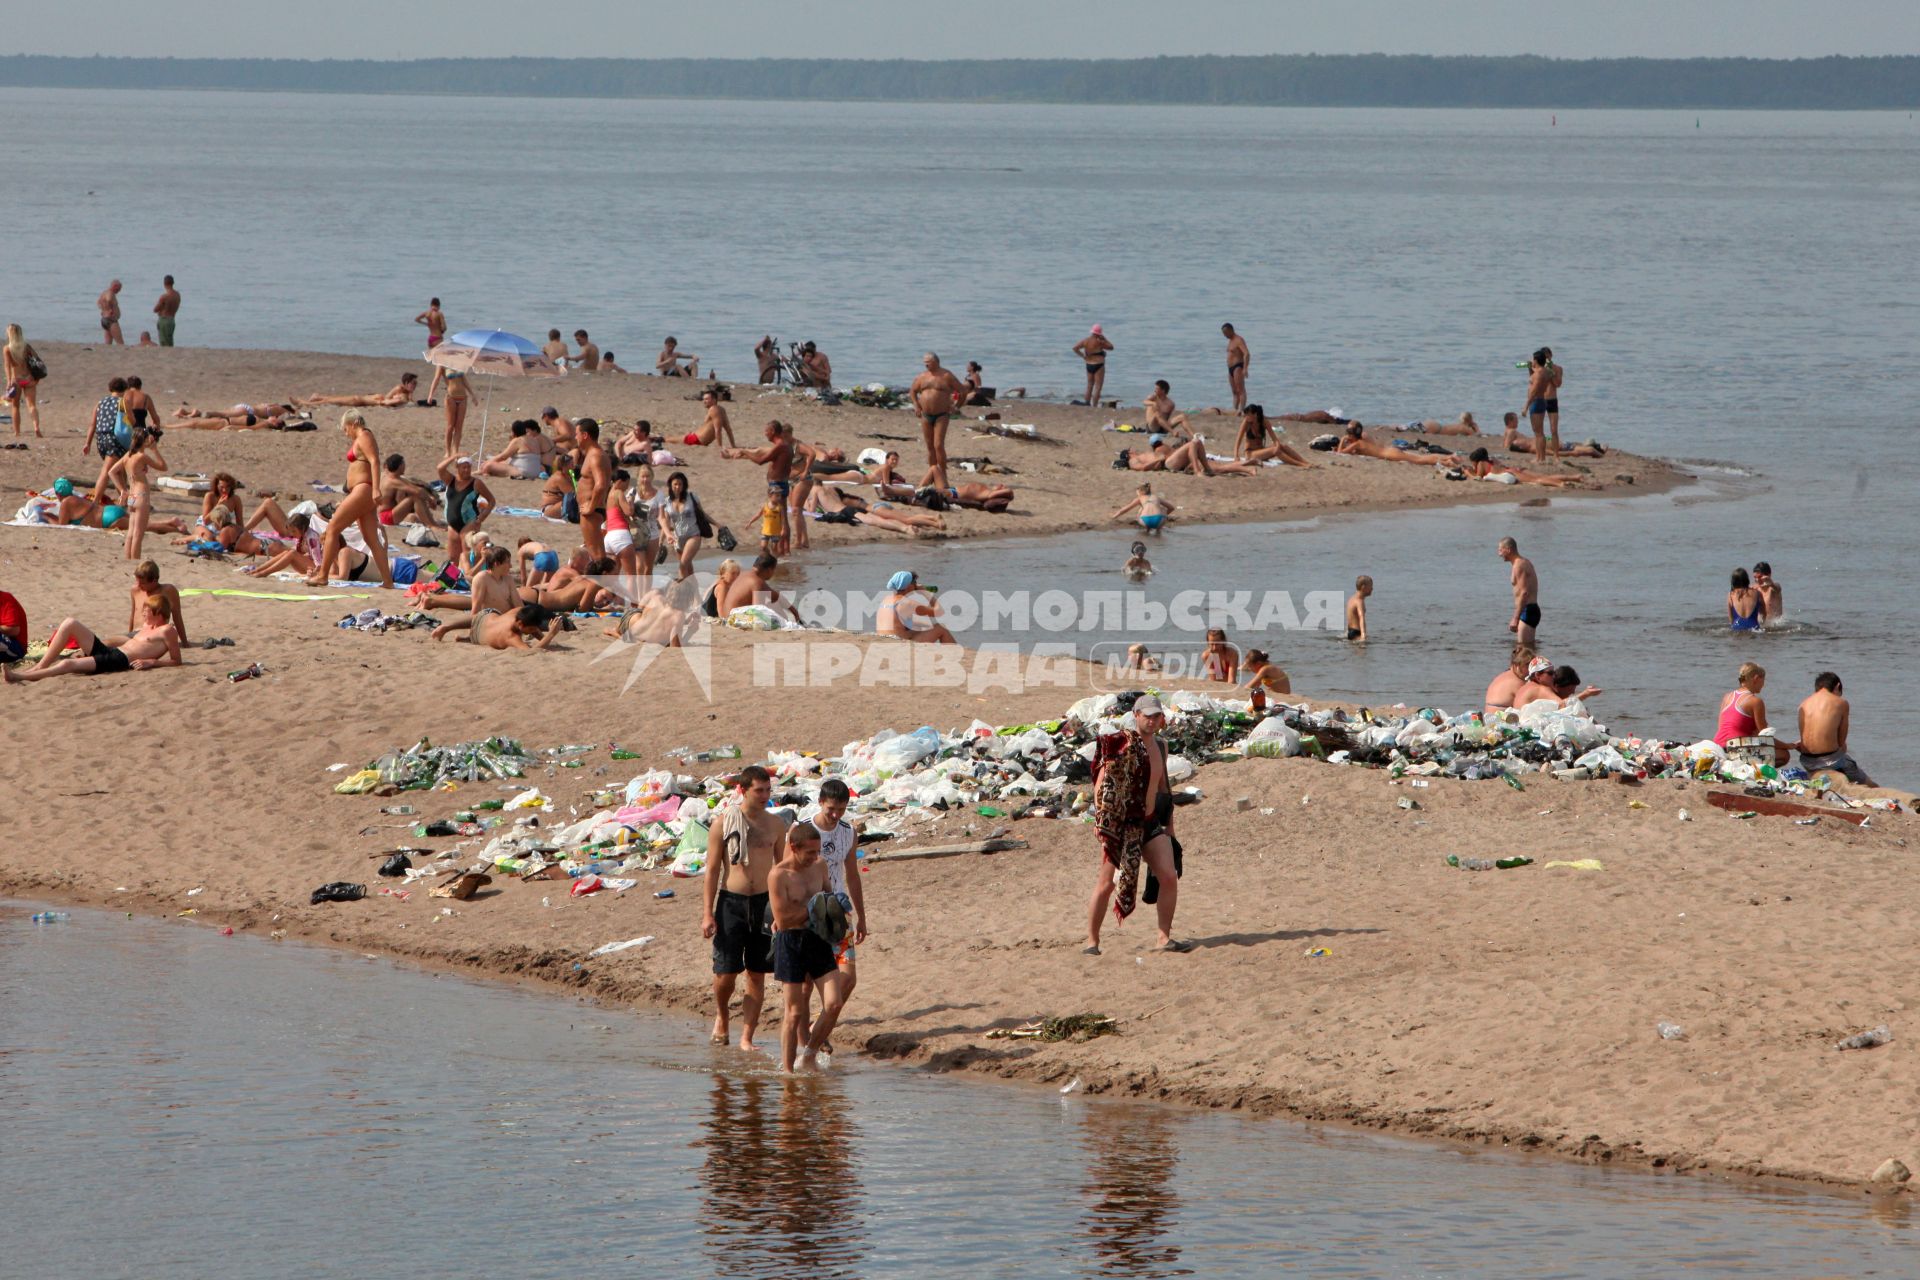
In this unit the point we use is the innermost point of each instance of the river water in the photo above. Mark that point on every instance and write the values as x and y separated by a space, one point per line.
177 1103
1735 288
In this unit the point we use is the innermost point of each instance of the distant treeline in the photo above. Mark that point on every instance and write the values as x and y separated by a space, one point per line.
1369 80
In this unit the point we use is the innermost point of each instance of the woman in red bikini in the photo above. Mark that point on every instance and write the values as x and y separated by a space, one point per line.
358 506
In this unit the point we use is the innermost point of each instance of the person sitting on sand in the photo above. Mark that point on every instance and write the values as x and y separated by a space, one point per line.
558 498
1259 440
1355 444
403 393
1261 673
1555 685
754 586
222 491
714 427
608 364
1137 568
1480 465
1219 660
815 368
1520 667
302 556
1141 662
972 390
1743 714
1154 510
836 506
529 622
241 417
1464 425
146 584
558 428
524 458
490 591
674 363
223 527
1162 417
576 594
155 644
910 613
1823 732
401 497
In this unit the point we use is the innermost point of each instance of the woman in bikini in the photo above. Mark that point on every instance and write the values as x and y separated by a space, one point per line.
357 508
224 492
1093 350
21 384
142 461
1746 608
680 523
402 394
1355 444
241 417
456 410
1259 440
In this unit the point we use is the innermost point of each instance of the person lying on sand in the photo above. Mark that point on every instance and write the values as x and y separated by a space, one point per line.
491 591
1154 510
514 630
1479 465
1320 417
576 594
839 507
300 557
241 417
1356 445
76 509
155 644
1190 458
1464 425
1259 441
403 393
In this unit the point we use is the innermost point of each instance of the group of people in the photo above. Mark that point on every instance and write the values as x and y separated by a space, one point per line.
166 311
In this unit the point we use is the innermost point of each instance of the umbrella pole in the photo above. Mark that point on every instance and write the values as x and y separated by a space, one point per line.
486 407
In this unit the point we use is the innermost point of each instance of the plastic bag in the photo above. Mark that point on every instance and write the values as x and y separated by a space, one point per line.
338 891
904 750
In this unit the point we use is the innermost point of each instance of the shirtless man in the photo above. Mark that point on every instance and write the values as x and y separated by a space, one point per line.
109 304
241 417
515 630
165 310
588 357
402 393
1823 732
401 497
1162 417
814 363
559 428
1541 399
715 426
436 321
1557 376
1480 465
1238 358
934 394
1093 350
1526 592
1464 425
1555 685
155 644
1772 596
1357 609
754 585
671 363
1501 688
595 479
1356 445
742 846
1190 457
766 354
491 591
777 456
802 959
555 349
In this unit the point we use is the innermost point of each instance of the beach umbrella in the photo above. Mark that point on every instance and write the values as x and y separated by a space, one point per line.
496 353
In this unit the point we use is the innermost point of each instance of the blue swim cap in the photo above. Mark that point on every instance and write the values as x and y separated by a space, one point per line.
900 581
63 487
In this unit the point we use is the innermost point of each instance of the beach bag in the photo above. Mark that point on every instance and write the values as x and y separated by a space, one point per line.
36 367
700 519
405 571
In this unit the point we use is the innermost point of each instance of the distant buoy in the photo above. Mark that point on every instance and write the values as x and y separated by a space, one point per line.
1556 121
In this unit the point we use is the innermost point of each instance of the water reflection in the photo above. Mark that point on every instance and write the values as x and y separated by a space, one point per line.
782 1193
1132 1208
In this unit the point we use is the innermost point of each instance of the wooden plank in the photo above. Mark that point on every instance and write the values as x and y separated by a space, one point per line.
1771 808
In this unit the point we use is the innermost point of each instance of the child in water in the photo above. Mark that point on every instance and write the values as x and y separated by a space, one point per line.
1357 608
1138 567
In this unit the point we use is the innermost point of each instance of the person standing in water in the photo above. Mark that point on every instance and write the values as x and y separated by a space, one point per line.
165 309
436 321
1526 592
1238 357
109 305
1770 592
1093 350
1746 608
1357 608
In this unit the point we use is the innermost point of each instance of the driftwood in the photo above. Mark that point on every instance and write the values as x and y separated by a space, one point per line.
1769 807
949 850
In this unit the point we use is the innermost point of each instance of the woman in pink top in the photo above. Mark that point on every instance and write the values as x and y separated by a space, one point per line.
1743 715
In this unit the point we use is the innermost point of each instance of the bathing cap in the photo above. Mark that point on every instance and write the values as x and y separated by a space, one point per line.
900 581
1096 331
63 487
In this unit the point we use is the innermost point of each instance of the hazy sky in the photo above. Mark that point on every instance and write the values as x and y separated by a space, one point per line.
987 28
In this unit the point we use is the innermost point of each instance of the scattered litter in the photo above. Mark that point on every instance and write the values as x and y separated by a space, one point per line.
1317 953
423 766
1684 816
51 917
1579 864
1078 1027
612 947
1070 1085
195 892
338 891
1867 1039
1670 1030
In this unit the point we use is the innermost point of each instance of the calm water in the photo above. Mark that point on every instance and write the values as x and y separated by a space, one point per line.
176 1103
1743 292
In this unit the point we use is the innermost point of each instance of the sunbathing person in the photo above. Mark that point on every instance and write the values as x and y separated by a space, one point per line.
155 644
225 528
674 363
224 491
1321 417
1190 457
839 507
1259 440
241 417
661 619
299 557
910 612
146 583
81 510
492 591
1162 417
407 390
1356 445
1480 466
578 594
1464 425
514 630
400 497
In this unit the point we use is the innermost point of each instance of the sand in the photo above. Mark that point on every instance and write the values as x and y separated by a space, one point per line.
1499 1007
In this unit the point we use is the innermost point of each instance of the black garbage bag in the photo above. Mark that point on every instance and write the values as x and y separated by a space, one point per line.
338 891
397 864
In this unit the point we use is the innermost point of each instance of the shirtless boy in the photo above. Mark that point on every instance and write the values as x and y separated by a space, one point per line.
673 363
147 584
1526 592
742 846
1357 608
1823 732
402 497
1162 417
802 959
155 644
514 630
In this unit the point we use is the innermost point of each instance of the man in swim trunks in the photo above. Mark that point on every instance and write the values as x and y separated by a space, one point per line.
109 305
754 585
837 840
491 591
594 481
802 958
1357 608
165 310
1542 399
714 427
529 628
934 393
1162 417
1525 581
558 428
742 846
672 364
155 644
1238 358
1501 688
1824 721
1133 816
1480 465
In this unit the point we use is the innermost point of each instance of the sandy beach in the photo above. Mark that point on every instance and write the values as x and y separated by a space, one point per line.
1501 1007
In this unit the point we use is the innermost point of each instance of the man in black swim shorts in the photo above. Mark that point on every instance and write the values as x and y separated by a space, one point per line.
156 644
742 845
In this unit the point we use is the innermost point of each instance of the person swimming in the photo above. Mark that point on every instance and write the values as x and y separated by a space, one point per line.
1746 608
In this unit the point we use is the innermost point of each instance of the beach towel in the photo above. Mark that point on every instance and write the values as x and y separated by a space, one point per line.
1120 822
528 513
734 832
266 595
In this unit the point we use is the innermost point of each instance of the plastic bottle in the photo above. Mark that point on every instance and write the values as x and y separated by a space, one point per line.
1867 1039
398 809
51 917
726 751
1670 1030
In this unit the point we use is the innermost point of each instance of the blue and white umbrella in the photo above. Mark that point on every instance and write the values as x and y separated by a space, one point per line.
496 353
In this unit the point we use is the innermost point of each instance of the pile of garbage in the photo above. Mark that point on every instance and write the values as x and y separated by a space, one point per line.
424 766
875 395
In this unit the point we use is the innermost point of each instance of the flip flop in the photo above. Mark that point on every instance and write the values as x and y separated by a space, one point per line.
1177 946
